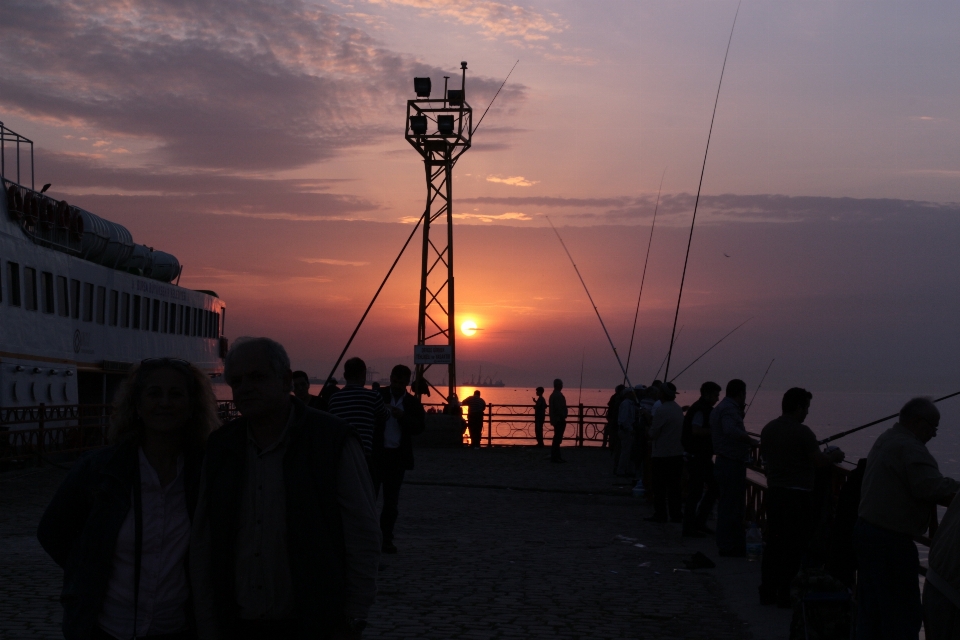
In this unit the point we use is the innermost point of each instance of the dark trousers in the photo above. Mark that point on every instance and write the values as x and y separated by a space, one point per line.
388 473
888 589
731 478
701 492
476 430
100 634
558 429
666 487
787 537
538 430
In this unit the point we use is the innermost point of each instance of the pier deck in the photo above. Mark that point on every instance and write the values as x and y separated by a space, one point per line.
496 543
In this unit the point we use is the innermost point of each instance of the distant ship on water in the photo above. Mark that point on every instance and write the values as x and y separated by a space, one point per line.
480 381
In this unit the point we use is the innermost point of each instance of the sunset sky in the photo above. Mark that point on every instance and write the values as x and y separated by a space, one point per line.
261 142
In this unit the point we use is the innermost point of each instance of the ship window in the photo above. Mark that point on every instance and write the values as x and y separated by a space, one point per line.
87 302
136 312
30 288
180 310
206 324
145 322
173 317
114 300
75 298
194 323
163 317
63 296
46 283
125 310
186 320
14 270
217 334
101 304
156 315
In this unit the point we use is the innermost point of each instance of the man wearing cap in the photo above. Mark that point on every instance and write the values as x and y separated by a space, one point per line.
732 444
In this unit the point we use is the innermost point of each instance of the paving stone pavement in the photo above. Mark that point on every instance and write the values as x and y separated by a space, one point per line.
496 543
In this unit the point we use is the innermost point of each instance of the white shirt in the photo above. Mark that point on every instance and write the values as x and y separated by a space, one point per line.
163 579
392 430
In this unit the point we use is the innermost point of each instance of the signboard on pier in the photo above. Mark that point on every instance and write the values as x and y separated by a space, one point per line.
432 354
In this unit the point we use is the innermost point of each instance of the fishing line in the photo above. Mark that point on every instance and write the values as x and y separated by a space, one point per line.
644 276
494 97
662 362
758 388
697 202
597 311
707 351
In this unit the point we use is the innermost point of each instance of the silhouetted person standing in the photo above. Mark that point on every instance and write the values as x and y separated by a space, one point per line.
732 444
476 406
667 457
362 408
790 458
539 415
613 418
285 540
393 448
701 490
558 419
301 387
901 487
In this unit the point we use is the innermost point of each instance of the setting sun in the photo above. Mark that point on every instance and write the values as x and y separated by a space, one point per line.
469 328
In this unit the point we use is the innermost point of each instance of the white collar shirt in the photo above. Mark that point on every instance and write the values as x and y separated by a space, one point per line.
392 430
164 590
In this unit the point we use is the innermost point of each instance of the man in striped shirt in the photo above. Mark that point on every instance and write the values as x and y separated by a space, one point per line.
362 408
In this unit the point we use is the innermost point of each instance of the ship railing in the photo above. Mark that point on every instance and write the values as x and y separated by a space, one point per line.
37 432
514 424
832 481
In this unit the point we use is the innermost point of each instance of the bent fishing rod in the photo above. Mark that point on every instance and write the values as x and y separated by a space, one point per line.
696 204
415 227
837 436
732 331
370 306
758 388
643 277
597 311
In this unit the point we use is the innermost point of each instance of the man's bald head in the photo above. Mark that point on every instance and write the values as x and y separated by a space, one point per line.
921 417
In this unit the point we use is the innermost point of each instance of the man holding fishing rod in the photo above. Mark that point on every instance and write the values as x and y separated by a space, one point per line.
901 487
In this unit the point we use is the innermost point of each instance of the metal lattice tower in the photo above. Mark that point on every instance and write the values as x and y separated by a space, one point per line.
440 130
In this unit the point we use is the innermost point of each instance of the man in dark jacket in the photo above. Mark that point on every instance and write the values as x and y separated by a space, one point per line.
558 419
701 491
393 447
285 541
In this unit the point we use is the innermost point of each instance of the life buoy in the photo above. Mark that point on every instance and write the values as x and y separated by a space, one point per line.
14 202
63 214
48 213
30 208
76 226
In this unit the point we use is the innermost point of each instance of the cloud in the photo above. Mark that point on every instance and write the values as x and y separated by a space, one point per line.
513 181
245 85
495 19
331 261
499 217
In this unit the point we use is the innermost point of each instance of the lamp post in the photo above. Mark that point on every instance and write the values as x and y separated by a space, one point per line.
440 130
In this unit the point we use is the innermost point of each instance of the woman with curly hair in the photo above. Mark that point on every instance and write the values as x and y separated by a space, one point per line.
119 524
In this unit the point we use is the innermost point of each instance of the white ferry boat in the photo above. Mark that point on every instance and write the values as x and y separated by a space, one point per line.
81 302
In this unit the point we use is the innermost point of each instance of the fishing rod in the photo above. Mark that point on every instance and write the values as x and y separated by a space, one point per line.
758 388
495 97
707 351
837 436
696 204
662 362
370 306
643 277
609 339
